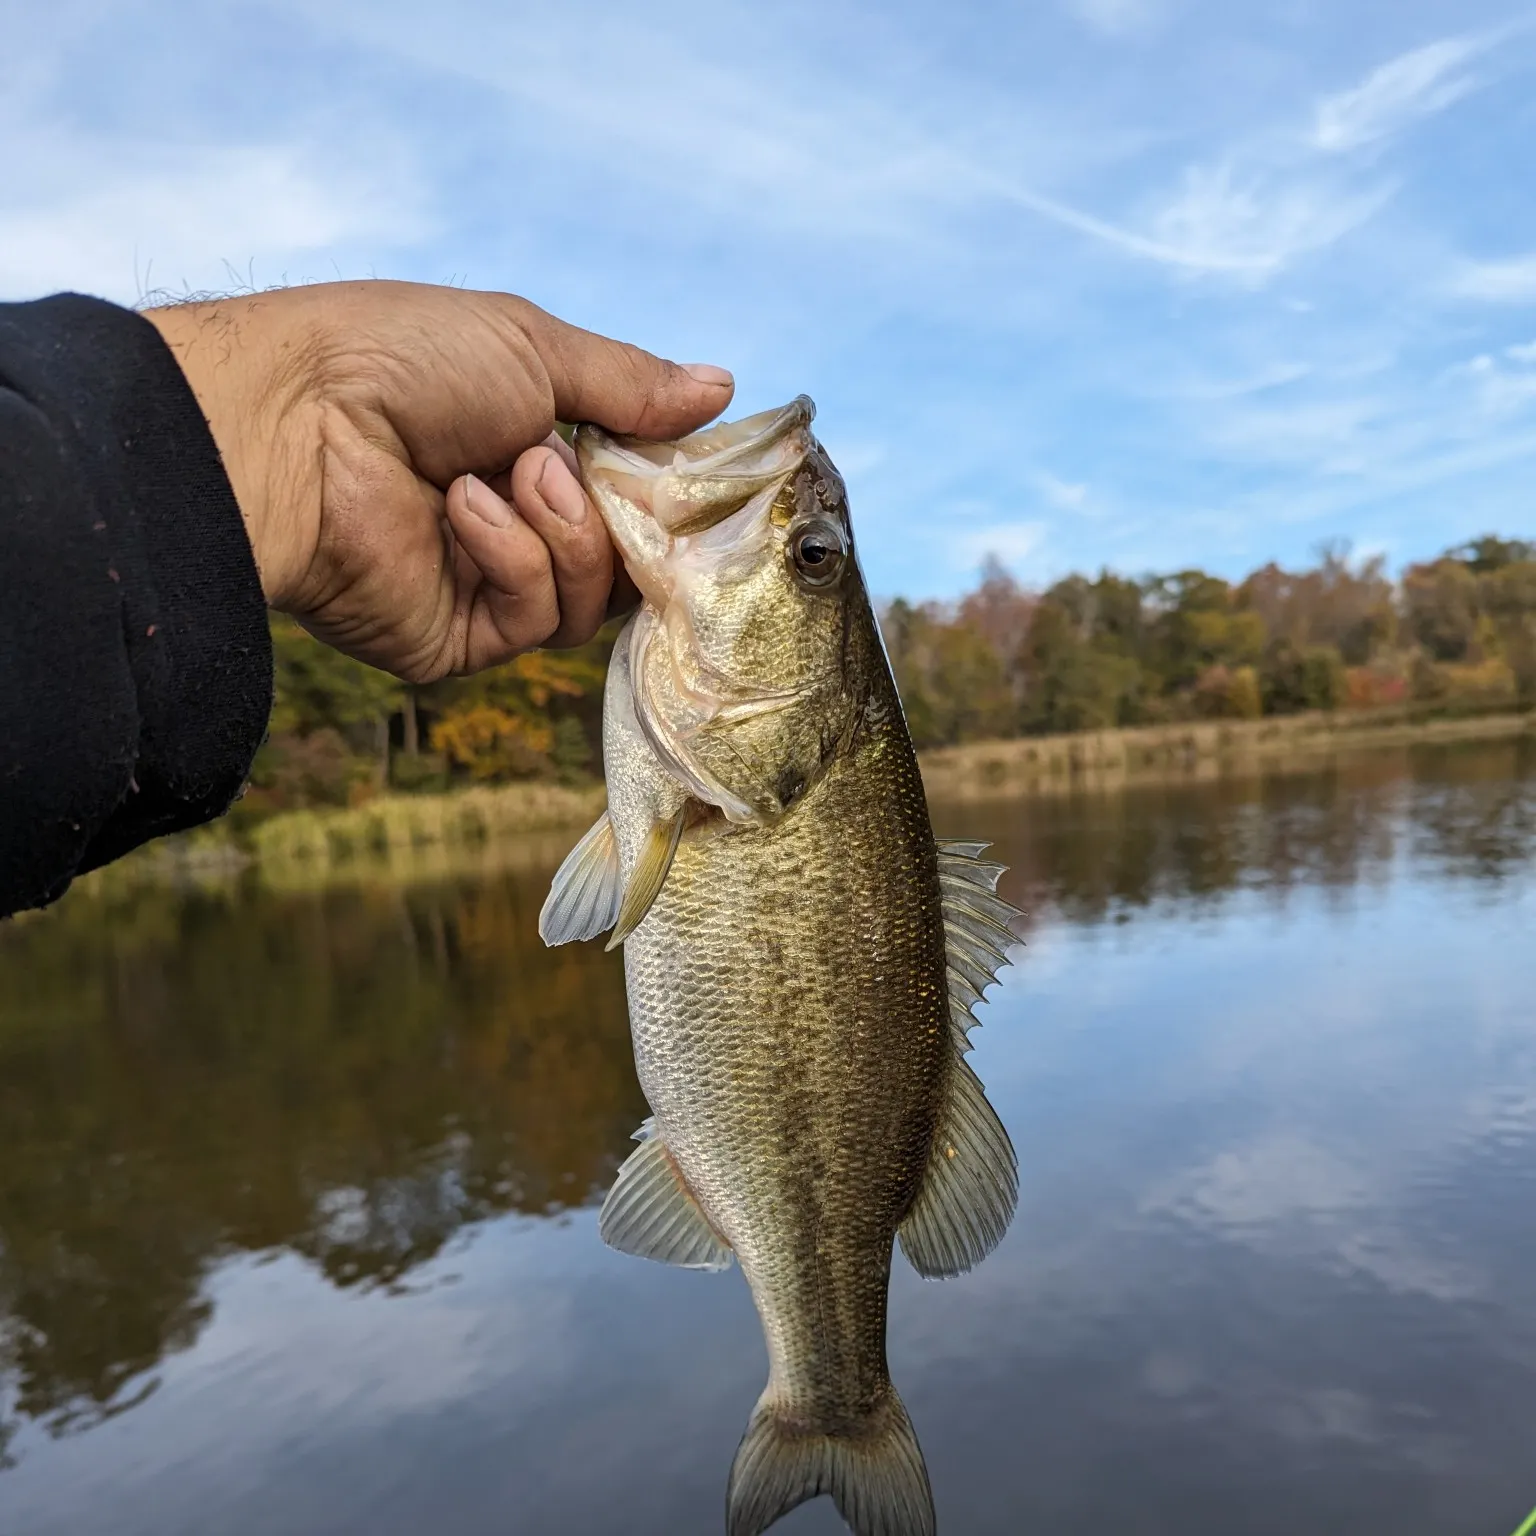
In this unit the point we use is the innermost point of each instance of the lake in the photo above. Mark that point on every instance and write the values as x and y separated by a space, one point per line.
298 1196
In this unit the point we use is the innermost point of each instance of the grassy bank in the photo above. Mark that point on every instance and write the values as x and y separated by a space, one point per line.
1050 764
425 836
399 823
413 836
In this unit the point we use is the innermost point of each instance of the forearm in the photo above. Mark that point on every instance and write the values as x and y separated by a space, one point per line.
135 668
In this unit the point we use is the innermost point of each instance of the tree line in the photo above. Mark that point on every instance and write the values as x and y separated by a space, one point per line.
1088 653
1456 633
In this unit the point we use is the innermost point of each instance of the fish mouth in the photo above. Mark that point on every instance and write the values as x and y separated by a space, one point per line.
651 494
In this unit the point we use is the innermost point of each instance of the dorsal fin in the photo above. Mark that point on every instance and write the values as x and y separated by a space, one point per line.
972 1182
978 928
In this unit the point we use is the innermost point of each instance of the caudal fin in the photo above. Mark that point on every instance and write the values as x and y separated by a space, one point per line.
873 1472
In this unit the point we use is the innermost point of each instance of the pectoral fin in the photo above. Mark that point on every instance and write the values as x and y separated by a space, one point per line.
648 875
651 1213
583 898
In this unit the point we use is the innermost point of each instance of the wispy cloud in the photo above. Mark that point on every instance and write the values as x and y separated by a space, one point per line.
1499 389
1118 18
1499 282
1014 543
1283 195
1067 495
1179 239
1258 220
145 219
1270 376
781 145
1397 93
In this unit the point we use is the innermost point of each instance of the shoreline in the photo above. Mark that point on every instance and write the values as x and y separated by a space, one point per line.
1191 751
480 830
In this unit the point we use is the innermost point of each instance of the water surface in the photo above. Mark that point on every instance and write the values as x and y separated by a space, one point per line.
298 1228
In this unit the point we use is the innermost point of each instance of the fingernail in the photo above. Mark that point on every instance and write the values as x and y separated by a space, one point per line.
707 373
486 504
562 495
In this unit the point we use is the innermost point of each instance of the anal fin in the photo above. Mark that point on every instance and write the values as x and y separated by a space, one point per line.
651 1213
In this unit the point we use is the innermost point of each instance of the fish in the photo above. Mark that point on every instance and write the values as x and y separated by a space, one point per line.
802 957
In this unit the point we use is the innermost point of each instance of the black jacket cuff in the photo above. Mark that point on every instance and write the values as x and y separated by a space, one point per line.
135 661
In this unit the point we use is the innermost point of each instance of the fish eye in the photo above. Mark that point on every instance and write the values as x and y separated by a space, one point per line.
817 552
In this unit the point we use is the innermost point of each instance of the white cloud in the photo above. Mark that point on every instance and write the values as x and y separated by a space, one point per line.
1274 375
1499 282
1171 246
1013 543
769 141
1117 18
1522 352
1411 86
1227 217
147 216
1498 391
1276 197
1061 493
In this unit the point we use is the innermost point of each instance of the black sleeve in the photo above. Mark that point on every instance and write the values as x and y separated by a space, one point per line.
135 664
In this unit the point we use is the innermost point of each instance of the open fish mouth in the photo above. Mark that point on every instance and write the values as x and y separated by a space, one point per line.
690 485
652 495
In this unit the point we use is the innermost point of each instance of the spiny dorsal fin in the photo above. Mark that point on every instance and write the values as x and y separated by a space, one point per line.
972 1183
648 876
651 1213
583 898
977 928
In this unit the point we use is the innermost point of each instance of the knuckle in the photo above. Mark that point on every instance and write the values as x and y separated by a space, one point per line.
528 573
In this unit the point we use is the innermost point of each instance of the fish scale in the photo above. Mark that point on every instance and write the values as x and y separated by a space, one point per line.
792 1042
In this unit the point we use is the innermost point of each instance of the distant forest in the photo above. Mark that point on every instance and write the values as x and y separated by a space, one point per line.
1455 634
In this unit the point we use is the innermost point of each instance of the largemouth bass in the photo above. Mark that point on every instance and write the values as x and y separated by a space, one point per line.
801 957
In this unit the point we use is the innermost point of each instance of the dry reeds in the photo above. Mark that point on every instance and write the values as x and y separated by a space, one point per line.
401 824
1203 749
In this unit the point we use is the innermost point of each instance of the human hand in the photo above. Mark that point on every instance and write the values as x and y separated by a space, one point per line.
392 450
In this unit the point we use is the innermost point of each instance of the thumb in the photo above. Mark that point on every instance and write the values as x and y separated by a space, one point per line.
621 387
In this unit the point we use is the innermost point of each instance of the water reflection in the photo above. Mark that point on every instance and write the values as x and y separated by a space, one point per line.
351 1077
348 1079
1469 811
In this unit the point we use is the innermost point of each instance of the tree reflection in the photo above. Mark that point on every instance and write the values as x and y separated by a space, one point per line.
1102 853
351 1076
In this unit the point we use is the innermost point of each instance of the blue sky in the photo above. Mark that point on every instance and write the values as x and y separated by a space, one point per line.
1144 283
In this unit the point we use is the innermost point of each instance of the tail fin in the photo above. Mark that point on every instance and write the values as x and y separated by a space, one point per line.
874 1473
